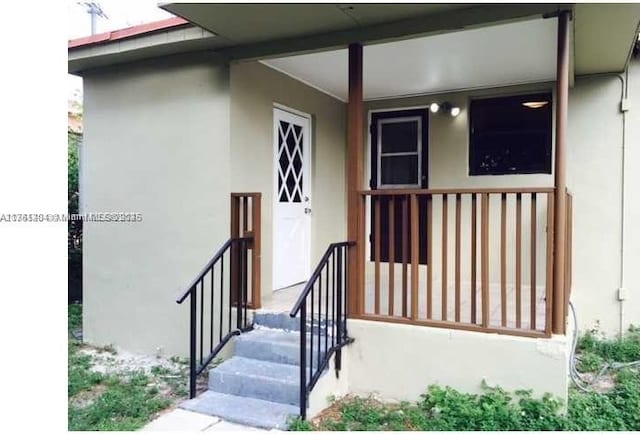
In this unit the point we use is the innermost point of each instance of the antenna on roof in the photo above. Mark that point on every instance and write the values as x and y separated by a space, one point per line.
95 10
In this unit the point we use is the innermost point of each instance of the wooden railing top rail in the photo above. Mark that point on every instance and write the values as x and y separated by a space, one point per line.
254 194
422 191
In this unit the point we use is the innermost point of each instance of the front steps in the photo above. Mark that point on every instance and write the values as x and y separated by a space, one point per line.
259 386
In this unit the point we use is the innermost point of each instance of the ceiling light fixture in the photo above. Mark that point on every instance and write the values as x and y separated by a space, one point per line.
535 104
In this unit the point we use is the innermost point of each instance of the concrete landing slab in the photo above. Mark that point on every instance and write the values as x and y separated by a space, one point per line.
223 425
181 420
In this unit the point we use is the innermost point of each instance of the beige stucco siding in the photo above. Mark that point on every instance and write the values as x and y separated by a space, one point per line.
156 142
449 140
254 90
595 178
631 281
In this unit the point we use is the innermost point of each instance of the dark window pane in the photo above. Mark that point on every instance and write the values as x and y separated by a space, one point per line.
291 183
297 129
399 170
399 137
508 137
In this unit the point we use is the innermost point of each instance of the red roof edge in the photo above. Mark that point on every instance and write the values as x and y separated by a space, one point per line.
129 32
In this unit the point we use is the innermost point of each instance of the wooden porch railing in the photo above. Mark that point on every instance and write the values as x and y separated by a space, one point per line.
472 259
245 223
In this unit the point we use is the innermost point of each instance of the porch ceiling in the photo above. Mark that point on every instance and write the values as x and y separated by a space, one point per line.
603 33
258 31
506 54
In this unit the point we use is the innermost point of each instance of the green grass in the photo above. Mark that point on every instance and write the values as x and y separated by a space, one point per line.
74 317
101 402
445 409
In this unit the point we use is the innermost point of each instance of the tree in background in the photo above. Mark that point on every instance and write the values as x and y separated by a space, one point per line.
74 228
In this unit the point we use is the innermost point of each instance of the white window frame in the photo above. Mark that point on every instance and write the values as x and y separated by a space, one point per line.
417 153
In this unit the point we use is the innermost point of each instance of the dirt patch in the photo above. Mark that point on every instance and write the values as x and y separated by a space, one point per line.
602 384
87 397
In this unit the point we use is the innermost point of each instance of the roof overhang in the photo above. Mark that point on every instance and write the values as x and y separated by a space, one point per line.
161 38
604 34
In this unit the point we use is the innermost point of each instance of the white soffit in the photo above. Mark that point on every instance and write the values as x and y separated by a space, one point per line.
501 55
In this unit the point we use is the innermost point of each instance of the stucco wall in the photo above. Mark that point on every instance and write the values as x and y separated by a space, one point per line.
631 281
254 90
397 362
156 142
594 177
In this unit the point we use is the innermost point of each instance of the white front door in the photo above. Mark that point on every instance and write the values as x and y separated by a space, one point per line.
292 196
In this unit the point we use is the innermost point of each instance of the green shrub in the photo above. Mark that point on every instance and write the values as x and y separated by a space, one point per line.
624 349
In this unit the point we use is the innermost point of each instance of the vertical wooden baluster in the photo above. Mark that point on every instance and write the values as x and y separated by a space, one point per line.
503 259
474 260
533 254
256 254
429 255
376 252
445 229
359 270
392 252
233 257
549 265
457 264
405 253
484 259
518 260
415 255
245 215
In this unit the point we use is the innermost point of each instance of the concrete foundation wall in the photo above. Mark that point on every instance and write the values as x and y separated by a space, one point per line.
397 362
157 143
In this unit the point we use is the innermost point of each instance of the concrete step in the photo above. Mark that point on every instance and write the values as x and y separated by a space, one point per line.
282 321
240 376
276 346
243 410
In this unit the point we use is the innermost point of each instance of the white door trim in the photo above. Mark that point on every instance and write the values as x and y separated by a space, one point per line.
307 185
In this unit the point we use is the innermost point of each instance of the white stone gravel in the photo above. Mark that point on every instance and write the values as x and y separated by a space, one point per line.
125 363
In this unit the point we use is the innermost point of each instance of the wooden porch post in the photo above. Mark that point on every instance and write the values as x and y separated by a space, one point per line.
560 205
355 152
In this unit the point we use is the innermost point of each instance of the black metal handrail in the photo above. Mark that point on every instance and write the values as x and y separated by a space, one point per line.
224 292
327 320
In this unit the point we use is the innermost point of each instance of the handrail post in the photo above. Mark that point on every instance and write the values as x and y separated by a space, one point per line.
256 252
303 361
192 344
338 359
